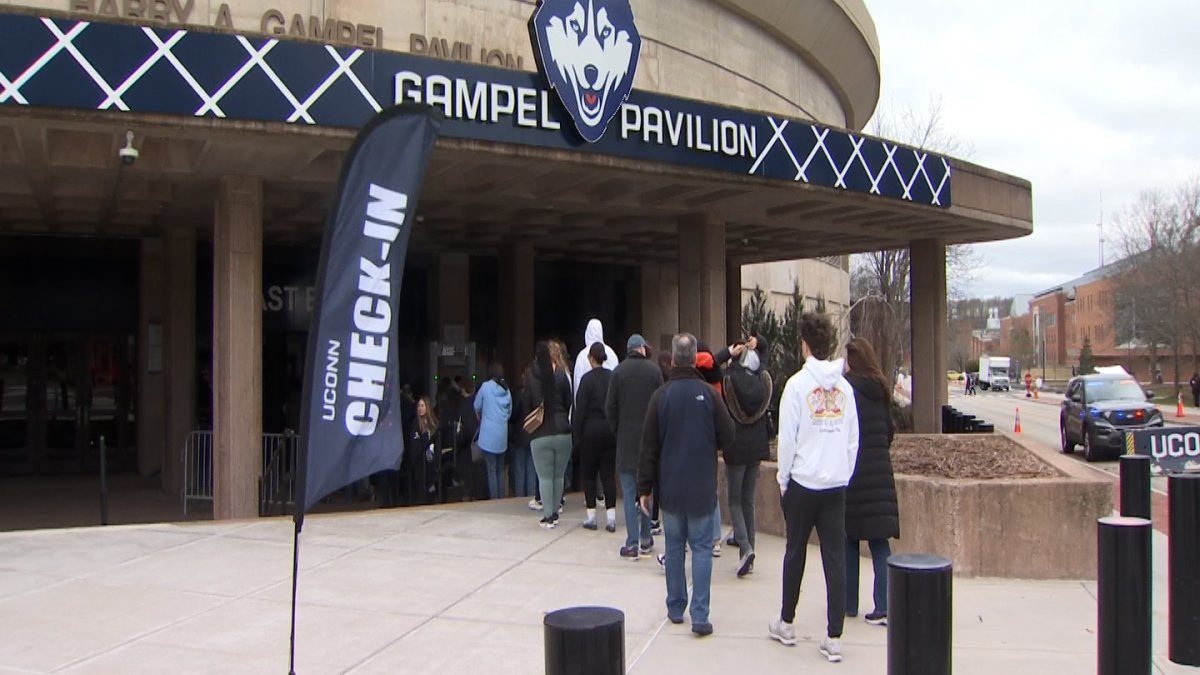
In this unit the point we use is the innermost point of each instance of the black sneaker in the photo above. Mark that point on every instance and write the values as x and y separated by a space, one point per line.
647 546
876 618
656 528
589 525
547 524
629 553
731 541
610 527
745 564
702 629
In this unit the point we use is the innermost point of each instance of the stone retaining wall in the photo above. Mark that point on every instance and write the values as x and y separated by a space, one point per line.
1042 528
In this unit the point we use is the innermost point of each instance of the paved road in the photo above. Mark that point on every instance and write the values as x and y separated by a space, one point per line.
1039 421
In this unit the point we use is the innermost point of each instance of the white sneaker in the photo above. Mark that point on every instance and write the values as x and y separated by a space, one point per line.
717 548
832 649
535 505
784 632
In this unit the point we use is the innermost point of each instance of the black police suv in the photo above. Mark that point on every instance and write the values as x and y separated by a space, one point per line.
1098 408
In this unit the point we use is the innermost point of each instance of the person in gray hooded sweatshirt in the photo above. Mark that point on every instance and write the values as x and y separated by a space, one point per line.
818 450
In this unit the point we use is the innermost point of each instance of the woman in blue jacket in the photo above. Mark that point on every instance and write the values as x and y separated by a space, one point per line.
493 405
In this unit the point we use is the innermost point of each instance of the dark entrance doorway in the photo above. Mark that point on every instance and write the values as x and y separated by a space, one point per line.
61 393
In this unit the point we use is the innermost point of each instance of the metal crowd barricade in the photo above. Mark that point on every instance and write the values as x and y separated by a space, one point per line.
197 467
276 482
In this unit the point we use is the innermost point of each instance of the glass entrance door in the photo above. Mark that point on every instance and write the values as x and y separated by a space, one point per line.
61 393
16 424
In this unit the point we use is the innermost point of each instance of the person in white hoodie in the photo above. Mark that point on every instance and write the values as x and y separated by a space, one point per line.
593 333
818 448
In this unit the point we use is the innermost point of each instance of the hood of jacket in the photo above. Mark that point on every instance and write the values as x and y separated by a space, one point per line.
867 387
593 333
826 373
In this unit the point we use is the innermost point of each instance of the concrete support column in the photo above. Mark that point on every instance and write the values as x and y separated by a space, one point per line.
928 270
660 304
516 307
702 277
733 301
453 305
180 351
151 408
237 346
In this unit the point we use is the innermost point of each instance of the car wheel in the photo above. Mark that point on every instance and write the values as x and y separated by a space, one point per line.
1089 453
1067 446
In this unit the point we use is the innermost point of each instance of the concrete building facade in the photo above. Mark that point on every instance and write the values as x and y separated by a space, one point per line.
172 286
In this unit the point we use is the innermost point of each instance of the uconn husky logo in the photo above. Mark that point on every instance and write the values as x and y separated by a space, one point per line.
588 50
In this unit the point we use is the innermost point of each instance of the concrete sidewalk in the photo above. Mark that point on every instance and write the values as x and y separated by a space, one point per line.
461 589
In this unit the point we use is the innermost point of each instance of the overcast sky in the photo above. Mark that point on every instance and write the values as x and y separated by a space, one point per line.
1077 97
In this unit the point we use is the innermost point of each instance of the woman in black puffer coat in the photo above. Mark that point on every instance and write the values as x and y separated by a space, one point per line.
871 510
747 390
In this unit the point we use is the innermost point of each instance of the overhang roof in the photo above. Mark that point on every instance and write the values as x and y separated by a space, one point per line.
60 174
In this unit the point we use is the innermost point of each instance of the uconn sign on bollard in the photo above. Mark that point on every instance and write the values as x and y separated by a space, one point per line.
1172 450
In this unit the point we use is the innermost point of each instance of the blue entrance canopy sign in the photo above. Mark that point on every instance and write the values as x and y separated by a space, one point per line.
68 63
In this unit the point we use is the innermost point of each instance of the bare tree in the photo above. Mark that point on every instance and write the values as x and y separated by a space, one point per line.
1157 303
884 276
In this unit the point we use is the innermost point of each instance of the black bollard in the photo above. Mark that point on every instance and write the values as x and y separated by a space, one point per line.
919 614
1123 589
1135 486
1183 569
103 482
585 641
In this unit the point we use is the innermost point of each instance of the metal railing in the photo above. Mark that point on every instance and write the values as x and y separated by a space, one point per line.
276 481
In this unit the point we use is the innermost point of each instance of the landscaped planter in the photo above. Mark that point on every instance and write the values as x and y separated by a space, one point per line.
1040 527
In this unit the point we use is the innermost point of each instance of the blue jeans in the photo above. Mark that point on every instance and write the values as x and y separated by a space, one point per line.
696 532
524 475
495 475
716 526
881 550
637 524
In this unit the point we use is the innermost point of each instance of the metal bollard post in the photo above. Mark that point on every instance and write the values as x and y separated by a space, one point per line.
103 482
1123 585
1183 569
1135 486
585 641
919 615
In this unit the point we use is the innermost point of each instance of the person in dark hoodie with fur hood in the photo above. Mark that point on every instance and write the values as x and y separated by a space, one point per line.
871 510
747 389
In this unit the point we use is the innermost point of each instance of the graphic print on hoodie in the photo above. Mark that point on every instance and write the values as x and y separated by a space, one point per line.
818 427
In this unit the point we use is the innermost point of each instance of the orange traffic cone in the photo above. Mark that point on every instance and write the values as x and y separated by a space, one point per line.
1017 427
1179 408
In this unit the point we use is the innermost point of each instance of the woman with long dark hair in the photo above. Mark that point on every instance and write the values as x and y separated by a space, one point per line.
548 389
593 436
423 453
871 510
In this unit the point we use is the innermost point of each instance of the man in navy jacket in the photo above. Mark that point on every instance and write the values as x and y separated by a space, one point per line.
686 425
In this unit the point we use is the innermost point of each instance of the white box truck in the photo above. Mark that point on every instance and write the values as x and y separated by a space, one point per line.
993 372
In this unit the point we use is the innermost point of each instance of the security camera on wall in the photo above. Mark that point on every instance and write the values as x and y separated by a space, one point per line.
128 154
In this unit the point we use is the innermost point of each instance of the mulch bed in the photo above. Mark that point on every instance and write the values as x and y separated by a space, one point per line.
965 457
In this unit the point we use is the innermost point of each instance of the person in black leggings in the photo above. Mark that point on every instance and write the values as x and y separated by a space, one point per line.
594 437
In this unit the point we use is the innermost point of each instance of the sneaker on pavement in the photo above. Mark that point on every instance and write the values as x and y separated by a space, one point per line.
675 619
731 540
852 613
717 548
534 505
589 524
745 564
547 524
662 561
656 528
702 629
610 527
876 618
647 547
784 632
629 553
832 649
